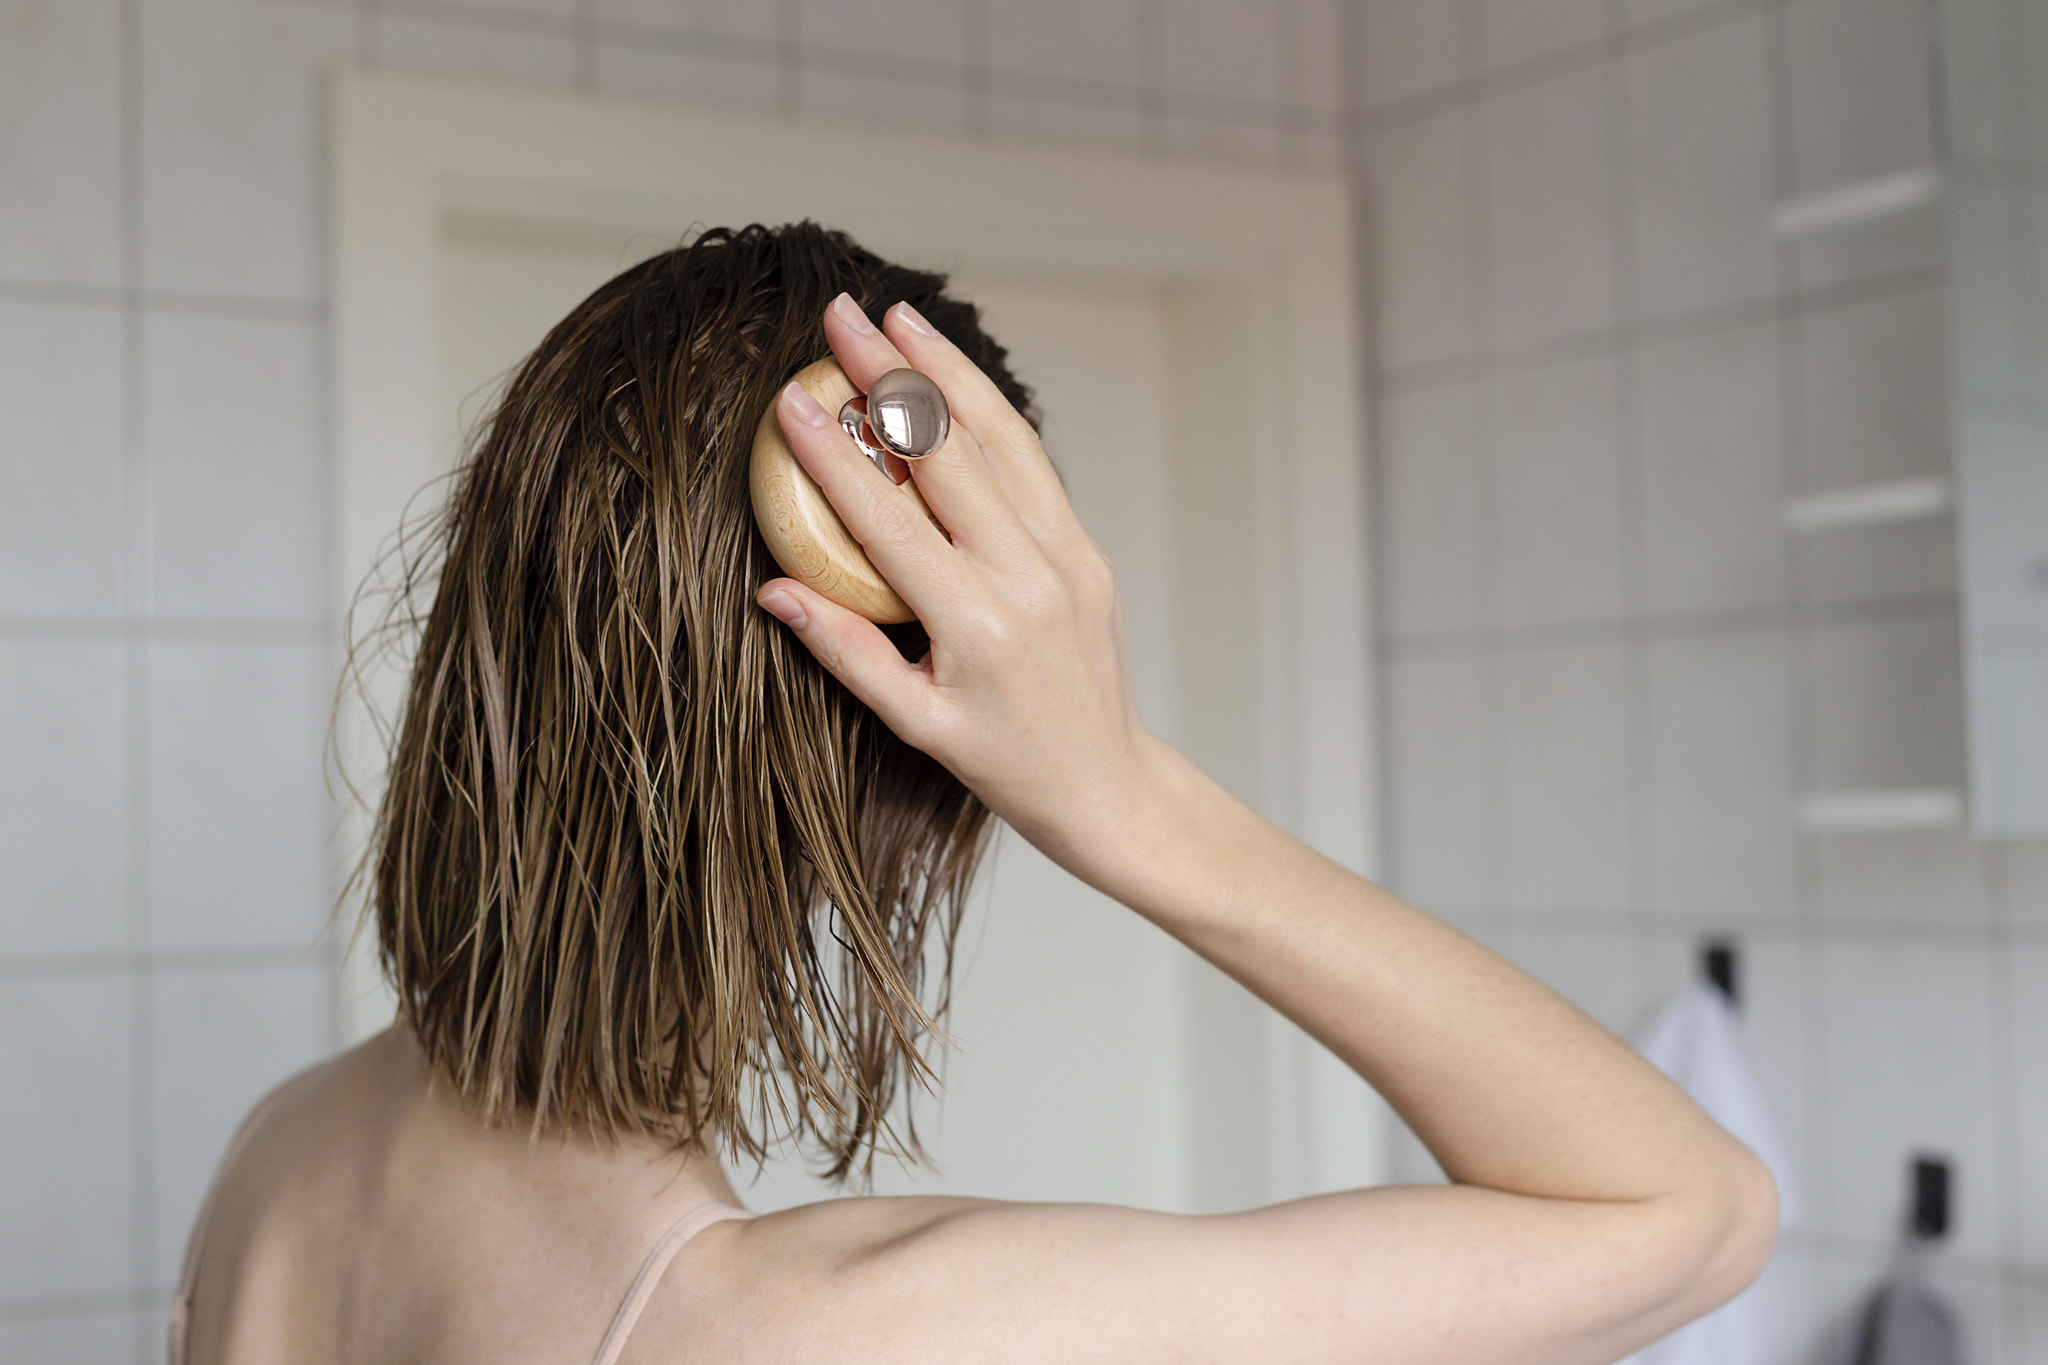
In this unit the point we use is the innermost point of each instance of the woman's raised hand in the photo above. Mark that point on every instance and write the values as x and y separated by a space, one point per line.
1026 694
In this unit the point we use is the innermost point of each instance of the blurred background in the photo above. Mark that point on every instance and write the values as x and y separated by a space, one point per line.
1664 337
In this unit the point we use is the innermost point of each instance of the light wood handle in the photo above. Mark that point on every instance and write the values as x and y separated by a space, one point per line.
807 538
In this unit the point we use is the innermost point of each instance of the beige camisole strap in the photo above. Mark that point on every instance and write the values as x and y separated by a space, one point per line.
652 1269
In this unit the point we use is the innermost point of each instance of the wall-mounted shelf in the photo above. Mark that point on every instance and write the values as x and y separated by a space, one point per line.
1880 810
1856 203
1891 503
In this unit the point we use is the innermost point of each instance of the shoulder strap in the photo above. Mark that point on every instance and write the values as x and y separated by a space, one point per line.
652 1269
181 1306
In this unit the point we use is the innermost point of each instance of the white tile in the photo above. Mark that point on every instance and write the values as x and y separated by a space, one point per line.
1595 969
1907 1037
1873 405
1915 878
923 30
2026 966
1781 1304
1550 209
1420 215
221 1040
1888 703
1437 782
1318 78
69 1338
1223 140
476 52
60 460
1713 472
238 804
63 807
1407 47
1638 12
1564 779
1057 123
1879 563
1096 41
67 1136
1700 158
1556 496
233 430
1859 83
1221 49
672 75
740 19
2026 882
1874 401
1310 150
1721 777
1429 521
554 9
1515 31
60 111
838 98
232 127
1896 246
2033 1322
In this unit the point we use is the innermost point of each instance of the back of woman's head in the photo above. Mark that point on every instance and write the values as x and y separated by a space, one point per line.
643 865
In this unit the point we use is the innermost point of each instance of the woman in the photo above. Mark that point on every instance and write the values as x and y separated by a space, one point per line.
653 877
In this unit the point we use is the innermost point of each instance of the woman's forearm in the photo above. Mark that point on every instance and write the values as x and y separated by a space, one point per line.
1509 1086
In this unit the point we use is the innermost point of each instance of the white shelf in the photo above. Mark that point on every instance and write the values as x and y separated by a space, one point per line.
1856 203
1869 504
1881 810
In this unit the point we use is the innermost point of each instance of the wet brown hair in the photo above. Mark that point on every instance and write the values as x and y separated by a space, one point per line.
642 864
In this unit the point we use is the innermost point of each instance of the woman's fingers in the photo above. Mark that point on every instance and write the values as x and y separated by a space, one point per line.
1006 438
962 486
887 521
853 650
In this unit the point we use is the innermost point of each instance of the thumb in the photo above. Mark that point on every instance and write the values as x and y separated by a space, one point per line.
853 650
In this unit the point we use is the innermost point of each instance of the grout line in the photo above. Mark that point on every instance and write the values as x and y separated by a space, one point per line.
788 40
138 599
147 962
144 629
1476 83
1689 626
980 119
1699 323
1151 76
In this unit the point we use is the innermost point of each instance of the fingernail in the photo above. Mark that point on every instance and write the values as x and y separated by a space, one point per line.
785 608
797 401
915 320
850 313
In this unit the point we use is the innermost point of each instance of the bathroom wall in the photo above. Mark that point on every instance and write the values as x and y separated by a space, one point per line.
1610 673
165 629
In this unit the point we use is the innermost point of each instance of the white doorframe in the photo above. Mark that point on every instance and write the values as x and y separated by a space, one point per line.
1261 260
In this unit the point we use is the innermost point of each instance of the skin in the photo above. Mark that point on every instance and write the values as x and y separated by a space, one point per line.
1594 1207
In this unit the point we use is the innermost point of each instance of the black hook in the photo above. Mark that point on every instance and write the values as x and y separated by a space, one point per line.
1718 964
1930 1197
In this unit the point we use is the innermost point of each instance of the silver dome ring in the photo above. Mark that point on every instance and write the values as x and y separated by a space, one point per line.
903 414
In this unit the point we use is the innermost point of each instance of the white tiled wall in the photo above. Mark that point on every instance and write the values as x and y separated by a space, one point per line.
166 641
1609 673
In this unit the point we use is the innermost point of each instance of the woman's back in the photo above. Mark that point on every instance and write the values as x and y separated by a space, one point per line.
367 1216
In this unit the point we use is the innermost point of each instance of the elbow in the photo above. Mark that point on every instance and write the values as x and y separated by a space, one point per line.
1742 1227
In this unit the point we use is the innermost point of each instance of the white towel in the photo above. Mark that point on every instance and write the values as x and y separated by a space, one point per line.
1696 1042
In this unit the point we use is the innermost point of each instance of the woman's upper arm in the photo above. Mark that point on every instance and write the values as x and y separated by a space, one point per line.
1437 1274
